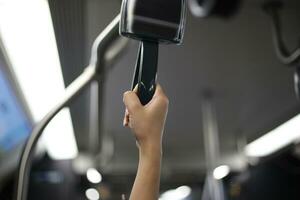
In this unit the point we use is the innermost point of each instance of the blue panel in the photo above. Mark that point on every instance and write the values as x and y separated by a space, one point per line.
14 124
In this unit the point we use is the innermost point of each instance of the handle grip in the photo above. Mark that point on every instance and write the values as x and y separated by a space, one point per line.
146 71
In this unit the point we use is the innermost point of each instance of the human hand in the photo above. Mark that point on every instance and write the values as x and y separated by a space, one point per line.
146 122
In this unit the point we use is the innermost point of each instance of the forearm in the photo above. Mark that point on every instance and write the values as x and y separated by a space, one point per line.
146 185
147 124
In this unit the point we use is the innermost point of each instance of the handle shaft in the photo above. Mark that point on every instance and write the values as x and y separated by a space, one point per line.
146 71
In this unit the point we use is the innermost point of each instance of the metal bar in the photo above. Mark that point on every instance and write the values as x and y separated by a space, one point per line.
211 145
92 72
112 45
71 92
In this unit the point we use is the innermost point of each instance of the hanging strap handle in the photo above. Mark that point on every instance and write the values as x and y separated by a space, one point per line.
146 71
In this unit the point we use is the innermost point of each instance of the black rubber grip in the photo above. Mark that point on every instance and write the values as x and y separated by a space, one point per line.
146 71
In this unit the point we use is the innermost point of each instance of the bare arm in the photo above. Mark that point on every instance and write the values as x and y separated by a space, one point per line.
147 124
146 185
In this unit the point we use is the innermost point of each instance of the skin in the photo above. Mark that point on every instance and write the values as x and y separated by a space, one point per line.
147 124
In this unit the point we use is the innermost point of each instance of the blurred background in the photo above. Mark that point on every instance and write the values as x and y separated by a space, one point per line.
233 127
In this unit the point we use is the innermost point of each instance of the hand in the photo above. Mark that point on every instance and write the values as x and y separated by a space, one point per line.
146 122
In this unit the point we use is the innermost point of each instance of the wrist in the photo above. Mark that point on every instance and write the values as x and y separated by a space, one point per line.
151 150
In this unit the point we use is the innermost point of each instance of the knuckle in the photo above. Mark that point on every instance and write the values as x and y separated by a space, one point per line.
165 100
126 93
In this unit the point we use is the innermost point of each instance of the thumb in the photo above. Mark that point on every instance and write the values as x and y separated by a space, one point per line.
131 101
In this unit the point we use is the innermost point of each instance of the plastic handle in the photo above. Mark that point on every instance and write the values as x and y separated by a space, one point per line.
146 71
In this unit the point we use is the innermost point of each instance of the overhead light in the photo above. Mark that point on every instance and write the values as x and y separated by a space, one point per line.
28 36
275 140
220 8
92 194
82 163
221 172
93 176
201 8
177 194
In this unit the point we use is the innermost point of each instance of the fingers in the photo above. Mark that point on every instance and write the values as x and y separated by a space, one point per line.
131 101
159 100
158 91
128 96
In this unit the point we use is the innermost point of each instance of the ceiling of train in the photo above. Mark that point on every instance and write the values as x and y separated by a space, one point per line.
232 59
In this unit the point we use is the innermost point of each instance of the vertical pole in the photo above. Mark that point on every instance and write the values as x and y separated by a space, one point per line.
94 119
211 146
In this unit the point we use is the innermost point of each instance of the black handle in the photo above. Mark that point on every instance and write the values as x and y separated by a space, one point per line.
146 71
